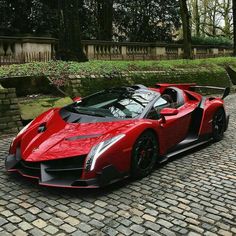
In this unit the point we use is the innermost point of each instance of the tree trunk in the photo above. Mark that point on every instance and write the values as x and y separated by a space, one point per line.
70 47
227 8
214 22
185 17
105 19
197 18
204 16
234 25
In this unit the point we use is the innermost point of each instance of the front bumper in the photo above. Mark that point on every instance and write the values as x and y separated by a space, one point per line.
65 175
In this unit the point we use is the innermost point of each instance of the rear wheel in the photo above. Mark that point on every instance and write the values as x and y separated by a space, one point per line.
144 155
218 125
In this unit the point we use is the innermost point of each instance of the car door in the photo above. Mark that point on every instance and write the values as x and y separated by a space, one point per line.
172 129
175 128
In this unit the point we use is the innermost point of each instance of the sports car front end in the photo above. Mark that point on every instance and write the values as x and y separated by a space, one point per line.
69 157
85 144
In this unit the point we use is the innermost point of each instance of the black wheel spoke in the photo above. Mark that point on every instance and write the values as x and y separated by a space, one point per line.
145 152
218 124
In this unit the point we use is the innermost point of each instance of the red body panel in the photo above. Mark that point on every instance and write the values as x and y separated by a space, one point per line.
184 86
210 108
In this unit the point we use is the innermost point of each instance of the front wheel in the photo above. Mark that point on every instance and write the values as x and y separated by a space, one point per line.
144 155
218 125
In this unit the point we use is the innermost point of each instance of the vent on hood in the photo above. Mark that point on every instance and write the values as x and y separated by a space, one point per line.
82 137
42 127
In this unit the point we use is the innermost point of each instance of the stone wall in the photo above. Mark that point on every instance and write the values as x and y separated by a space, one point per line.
10 120
82 85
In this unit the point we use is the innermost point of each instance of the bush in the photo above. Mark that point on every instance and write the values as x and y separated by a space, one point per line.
216 41
101 74
200 76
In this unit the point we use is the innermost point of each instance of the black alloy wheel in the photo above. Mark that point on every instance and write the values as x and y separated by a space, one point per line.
144 155
218 125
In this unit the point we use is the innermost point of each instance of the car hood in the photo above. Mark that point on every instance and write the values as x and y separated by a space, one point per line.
64 140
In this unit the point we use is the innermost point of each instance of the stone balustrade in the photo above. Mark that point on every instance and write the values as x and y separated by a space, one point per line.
104 50
28 49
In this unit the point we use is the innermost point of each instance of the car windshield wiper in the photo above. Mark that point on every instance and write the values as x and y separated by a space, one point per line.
71 108
92 112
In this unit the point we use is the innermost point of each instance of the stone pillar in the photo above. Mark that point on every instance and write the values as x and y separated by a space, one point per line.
159 52
91 52
215 51
180 52
10 120
124 52
2 52
18 49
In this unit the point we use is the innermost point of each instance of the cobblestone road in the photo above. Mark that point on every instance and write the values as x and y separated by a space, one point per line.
194 194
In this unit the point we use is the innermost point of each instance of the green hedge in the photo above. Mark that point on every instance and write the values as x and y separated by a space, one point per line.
96 75
201 76
216 41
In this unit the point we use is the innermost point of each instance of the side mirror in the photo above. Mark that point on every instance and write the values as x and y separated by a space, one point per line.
77 99
169 112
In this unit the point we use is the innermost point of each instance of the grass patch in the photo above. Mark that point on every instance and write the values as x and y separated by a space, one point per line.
59 68
32 108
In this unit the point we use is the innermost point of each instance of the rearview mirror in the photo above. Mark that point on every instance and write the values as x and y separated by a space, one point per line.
169 112
76 99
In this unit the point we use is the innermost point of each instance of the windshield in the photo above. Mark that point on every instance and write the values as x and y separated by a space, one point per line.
118 103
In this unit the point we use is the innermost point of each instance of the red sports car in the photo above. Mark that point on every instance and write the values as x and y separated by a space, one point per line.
115 133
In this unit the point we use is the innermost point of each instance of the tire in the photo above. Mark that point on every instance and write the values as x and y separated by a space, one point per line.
218 125
144 155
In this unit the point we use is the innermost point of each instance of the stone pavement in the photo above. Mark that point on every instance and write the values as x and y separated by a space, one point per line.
194 194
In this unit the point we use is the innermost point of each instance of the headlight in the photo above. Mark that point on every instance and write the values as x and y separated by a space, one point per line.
100 148
24 129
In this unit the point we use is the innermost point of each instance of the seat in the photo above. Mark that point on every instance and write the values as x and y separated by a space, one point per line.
169 100
175 95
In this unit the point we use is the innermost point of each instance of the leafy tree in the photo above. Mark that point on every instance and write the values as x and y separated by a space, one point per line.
20 17
211 18
195 19
225 11
144 20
